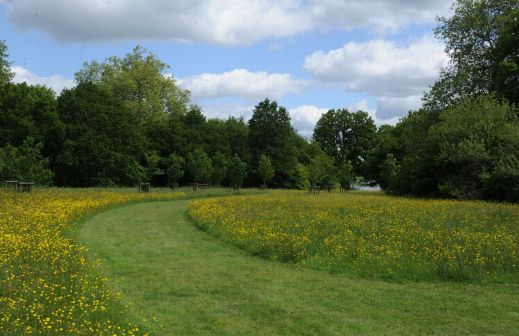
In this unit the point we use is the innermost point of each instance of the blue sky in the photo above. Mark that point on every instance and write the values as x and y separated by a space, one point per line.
310 55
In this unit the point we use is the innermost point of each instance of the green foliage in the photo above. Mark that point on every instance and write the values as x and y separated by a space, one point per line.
301 178
220 167
271 134
265 169
388 172
482 42
463 150
103 143
470 139
29 111
237 171
237 132
346 175
321 170
199 166
502 182
175 168
151 167
140 82
346 135
5 66
25 163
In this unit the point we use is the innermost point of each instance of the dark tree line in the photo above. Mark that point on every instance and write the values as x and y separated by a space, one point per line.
125 122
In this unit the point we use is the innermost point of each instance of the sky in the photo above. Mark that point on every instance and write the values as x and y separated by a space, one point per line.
378 56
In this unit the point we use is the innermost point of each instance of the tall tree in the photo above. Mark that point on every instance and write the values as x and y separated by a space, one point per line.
139 80
30 111
25 163
346 135
220 167
265 169
237 171
271 133
199 166
175 166
482 42
5 66
103 143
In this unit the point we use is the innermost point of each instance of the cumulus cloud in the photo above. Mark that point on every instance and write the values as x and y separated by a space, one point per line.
394 107
378 118
305 117
214 21
381 67
57 83
241 83
397 75
381 15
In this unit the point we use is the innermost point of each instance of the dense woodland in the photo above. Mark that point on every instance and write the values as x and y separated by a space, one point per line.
126 122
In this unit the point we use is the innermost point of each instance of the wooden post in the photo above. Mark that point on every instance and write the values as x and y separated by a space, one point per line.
24 186
144 187
11 185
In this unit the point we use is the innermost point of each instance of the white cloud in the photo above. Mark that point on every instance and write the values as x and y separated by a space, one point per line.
241 83
380 15
375 114
381 67
394 107
214 21
396 75
57 83
305 117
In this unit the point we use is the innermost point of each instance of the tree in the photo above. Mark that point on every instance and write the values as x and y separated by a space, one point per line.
265 169
300 176
220 167
199 166
237 130
471 140
30 111
6 74
346 175
25 163
482 42
465 151
151 166
237 171
141 82
322 171
346 136
175 168
270 133
386 143
103 143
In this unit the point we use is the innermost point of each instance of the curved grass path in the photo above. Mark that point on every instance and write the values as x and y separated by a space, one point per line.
195 284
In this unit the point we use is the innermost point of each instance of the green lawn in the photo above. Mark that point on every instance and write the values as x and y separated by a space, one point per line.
194 284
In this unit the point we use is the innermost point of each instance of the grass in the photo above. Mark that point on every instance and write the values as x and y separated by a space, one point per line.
194 284
372 235
47 287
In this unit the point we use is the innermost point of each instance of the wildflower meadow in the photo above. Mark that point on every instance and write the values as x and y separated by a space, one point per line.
371 234
47 285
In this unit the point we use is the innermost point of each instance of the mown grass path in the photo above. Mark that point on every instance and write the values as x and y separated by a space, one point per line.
195 284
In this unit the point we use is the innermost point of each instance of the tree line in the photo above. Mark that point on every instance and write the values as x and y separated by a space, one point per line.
126 121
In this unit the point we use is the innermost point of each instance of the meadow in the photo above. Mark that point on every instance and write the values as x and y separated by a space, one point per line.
119 262
372 235
47 285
